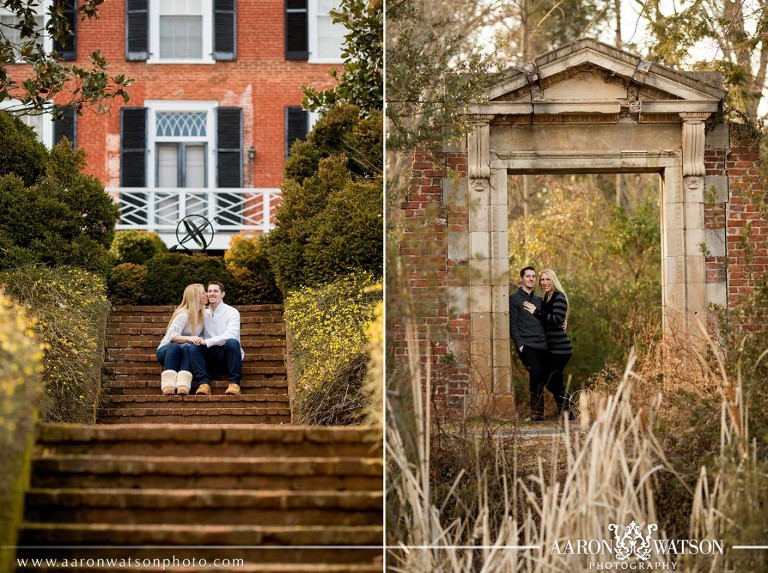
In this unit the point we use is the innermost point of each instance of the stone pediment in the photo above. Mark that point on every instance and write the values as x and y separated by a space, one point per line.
588 76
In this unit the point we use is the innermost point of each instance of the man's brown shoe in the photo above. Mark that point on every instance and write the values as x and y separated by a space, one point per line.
233 389
203 390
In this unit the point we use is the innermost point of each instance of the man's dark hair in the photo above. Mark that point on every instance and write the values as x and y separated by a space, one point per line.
522 271
221 286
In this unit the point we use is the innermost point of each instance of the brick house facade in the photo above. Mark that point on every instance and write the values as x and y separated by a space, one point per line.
213 109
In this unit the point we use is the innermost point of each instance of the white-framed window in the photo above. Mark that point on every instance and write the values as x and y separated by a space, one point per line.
181 138
180 141
181 31
40 122
325 37
12 34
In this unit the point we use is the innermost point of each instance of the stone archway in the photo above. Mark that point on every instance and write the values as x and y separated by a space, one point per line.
586 107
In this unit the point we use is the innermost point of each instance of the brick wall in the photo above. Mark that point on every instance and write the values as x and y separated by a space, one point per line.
260 81
746 218
428 273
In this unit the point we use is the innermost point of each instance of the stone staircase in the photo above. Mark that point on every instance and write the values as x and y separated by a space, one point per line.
132 372
192 493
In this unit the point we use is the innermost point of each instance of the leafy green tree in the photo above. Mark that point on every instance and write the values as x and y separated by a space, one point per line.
328 225
72 85
360 82
738 30
330 220
53 214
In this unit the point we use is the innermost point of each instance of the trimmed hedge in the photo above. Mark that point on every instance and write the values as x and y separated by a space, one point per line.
136 247
248 262
20 357
127 284
64 218
169 274
70 310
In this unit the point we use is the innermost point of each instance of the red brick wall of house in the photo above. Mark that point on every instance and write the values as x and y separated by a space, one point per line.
261 81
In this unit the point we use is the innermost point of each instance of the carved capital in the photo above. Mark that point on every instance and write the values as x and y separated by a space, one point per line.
695 116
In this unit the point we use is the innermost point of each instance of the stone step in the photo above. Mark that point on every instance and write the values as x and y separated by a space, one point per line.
225 564
195 471
175 534
178 413
203 507
224 440
182 402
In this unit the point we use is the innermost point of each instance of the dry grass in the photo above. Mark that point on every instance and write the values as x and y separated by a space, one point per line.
611 471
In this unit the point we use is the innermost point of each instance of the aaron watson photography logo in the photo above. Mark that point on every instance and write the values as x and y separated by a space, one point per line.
634 548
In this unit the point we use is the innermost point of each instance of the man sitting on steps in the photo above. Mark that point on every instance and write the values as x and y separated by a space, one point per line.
221 349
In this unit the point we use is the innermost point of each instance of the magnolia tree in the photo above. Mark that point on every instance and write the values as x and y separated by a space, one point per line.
42 40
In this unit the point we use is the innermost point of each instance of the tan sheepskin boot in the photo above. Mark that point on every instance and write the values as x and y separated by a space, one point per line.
183 382
168 382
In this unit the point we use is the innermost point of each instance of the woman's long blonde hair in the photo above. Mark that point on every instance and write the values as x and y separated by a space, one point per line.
190 303
557 286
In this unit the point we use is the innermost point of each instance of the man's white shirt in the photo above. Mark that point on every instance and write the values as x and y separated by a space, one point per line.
220 325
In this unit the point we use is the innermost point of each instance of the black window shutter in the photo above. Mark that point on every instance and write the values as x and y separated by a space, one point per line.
229 135
224 29
136 30
133 147
229 163
296 30
66 48
296 126
65 125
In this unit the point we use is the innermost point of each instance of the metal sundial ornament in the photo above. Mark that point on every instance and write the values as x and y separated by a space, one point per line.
194 228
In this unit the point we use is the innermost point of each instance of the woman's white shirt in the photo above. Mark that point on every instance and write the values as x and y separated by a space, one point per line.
179 327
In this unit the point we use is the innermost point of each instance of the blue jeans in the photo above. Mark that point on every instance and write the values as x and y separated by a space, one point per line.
175 356
226 358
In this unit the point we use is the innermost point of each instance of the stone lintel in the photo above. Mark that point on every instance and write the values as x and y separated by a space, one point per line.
678 106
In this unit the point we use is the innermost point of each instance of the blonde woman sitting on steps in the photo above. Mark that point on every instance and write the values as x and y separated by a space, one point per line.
183 332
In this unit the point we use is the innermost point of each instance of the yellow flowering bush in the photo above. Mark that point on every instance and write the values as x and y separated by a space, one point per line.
20 360
329 331
70 310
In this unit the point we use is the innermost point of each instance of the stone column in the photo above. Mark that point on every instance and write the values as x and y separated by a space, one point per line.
693 196
484 290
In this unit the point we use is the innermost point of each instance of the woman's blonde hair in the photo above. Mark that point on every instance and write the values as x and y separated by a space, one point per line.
190 303
557 286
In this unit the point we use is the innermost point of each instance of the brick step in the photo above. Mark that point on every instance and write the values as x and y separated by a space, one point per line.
224 440
117 401
196 415
190 535
224 565
153 368
150 338
122 387
189 472
274 383
203 507
134 355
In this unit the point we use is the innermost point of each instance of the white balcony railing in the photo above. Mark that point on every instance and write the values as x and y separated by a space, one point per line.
229 210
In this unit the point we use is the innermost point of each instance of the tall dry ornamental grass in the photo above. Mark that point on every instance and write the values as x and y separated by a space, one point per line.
609 478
